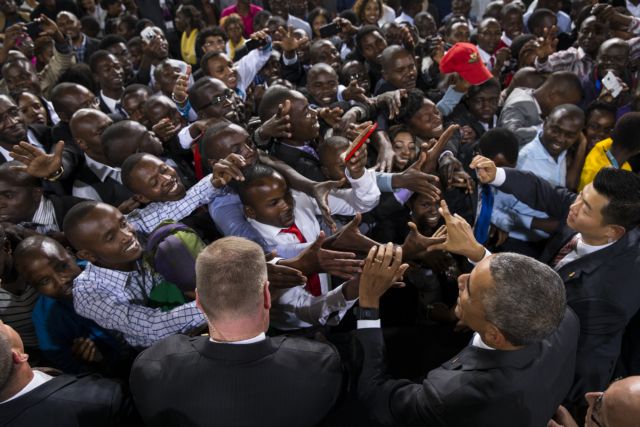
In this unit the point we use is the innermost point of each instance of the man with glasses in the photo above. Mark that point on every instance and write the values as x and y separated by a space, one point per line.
13 130
617 406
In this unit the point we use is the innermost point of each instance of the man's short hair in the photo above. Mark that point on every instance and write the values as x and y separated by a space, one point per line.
626 133
214 31
6 361
110 40
363 31
230 277
74 218
17 178
491 84
252 174
527 302
410 105
500 141
127 167
538 16
273 97
96 57
622 189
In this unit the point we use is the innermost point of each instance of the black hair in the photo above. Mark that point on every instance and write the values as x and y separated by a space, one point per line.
110 40
363 31
538 16
96 57
206 58
599 105
90 25
127 167
214 31
499 141
208 139
622 189
274 96
193 14
491 84
395 130
410 105
17 178
330 142
196 96
80 74
136 87
142 24
73 219
131 21
626 133
251 174
347 14
518 43
318 11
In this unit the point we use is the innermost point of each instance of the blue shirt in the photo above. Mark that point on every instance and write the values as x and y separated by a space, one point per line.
516 216
57 325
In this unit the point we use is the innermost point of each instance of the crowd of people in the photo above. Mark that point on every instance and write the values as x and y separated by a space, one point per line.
320 213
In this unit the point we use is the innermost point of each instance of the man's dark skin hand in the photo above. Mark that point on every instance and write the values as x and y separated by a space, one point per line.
415 244
278 126
283 277
349 238
415 180
315 259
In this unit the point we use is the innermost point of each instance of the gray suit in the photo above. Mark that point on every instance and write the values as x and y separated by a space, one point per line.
520 114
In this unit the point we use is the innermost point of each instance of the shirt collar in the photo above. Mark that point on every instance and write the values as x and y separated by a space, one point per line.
477 342
101 170
260 337
583 249
505 39
484 55
111 103
45 214
38 379
265 229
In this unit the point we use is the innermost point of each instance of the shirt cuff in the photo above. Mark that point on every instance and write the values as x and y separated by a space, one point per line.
383 180
368 324
184 136
275 260
444 153
501 177
403 195
487 253
291 61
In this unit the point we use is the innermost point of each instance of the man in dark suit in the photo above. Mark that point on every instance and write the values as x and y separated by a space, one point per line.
13 130
523 334
31 397
83 46
597 254
237 375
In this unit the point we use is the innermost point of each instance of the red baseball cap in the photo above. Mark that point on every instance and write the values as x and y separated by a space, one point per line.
464 59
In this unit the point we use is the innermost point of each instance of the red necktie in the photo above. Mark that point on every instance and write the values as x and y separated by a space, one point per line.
313 281
565 250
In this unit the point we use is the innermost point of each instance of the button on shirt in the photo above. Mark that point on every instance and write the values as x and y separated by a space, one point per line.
116 299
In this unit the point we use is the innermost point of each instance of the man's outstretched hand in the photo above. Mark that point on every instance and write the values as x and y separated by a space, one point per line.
382 269
35 161
281 276
349 238
321 192
459 238
485 169
416 244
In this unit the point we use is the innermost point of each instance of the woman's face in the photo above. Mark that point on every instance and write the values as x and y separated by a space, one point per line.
234 31
31 110
404 149
528 54
371 13
318 21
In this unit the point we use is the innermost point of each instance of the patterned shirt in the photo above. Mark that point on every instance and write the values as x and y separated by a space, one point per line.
117 299
44 219
572 59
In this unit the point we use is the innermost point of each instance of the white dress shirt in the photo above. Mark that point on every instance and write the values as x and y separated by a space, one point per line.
102 171
38 379
111 103
260 337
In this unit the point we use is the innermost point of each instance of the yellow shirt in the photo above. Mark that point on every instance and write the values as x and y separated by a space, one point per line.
596 160
188 47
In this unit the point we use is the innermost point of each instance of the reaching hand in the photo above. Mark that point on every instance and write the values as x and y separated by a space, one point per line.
392 100
433 153
331 115
415 180
353 92
12 35
321 192
278 126
460 85
315 259
357 164
562 418
181 87
502 55
354 129
349 238
86 350
485 169
227 169
281 276
36 162
346 27
165 129
547 43
49 28
288 42
129 205
382 268
384 162
468 135
459 236
415 244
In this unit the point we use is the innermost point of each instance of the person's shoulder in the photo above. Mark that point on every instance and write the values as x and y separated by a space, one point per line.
171 346
229 10
307 349
85 388
254 8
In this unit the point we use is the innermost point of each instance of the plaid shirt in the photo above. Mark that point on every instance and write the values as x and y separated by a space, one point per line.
572 59
117 299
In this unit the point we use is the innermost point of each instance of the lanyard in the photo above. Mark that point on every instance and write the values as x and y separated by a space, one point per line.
612 159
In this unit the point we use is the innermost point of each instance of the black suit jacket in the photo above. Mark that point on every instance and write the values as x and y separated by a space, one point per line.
602 287
92 46
70 401
477 387
282 381
304 163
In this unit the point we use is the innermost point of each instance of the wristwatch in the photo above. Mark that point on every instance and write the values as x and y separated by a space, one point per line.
363 313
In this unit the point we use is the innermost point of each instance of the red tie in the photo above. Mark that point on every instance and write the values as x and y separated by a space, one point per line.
313 281
565 250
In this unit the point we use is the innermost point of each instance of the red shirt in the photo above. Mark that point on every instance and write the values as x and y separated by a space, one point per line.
247 20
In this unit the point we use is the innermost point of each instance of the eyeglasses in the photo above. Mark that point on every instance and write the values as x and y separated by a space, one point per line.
356 76
597 406
227 95
92 103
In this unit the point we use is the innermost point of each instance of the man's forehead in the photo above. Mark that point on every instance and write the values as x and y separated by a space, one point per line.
5 104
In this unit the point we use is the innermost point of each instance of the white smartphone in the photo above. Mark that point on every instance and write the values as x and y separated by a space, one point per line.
612 83
148 34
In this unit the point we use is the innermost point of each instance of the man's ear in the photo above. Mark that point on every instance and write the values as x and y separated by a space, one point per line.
87 255
267 295
249 212
494 338
141 199
592 396
80 142
614 232
36 194
19 357
384 74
